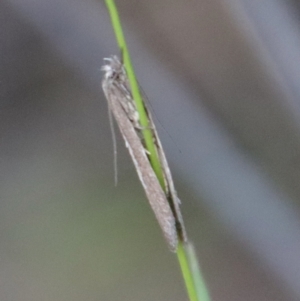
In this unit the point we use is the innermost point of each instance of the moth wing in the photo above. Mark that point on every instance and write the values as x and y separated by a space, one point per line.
154 192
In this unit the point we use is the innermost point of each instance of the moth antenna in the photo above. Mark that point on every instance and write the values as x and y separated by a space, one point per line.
114 142
153 113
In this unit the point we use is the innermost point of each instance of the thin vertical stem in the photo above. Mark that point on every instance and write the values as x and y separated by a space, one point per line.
186 256
187 274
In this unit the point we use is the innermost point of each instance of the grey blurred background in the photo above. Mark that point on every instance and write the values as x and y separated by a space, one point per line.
222 77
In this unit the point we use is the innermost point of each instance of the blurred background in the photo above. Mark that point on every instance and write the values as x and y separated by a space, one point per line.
222 78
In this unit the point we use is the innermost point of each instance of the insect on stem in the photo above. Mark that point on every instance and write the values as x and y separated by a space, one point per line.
165 204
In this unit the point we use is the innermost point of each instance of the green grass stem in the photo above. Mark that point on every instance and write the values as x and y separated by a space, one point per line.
186 256
186 271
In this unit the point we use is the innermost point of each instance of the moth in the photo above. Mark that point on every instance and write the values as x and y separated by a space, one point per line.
165 204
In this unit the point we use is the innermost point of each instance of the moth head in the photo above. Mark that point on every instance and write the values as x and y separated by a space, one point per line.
113 69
